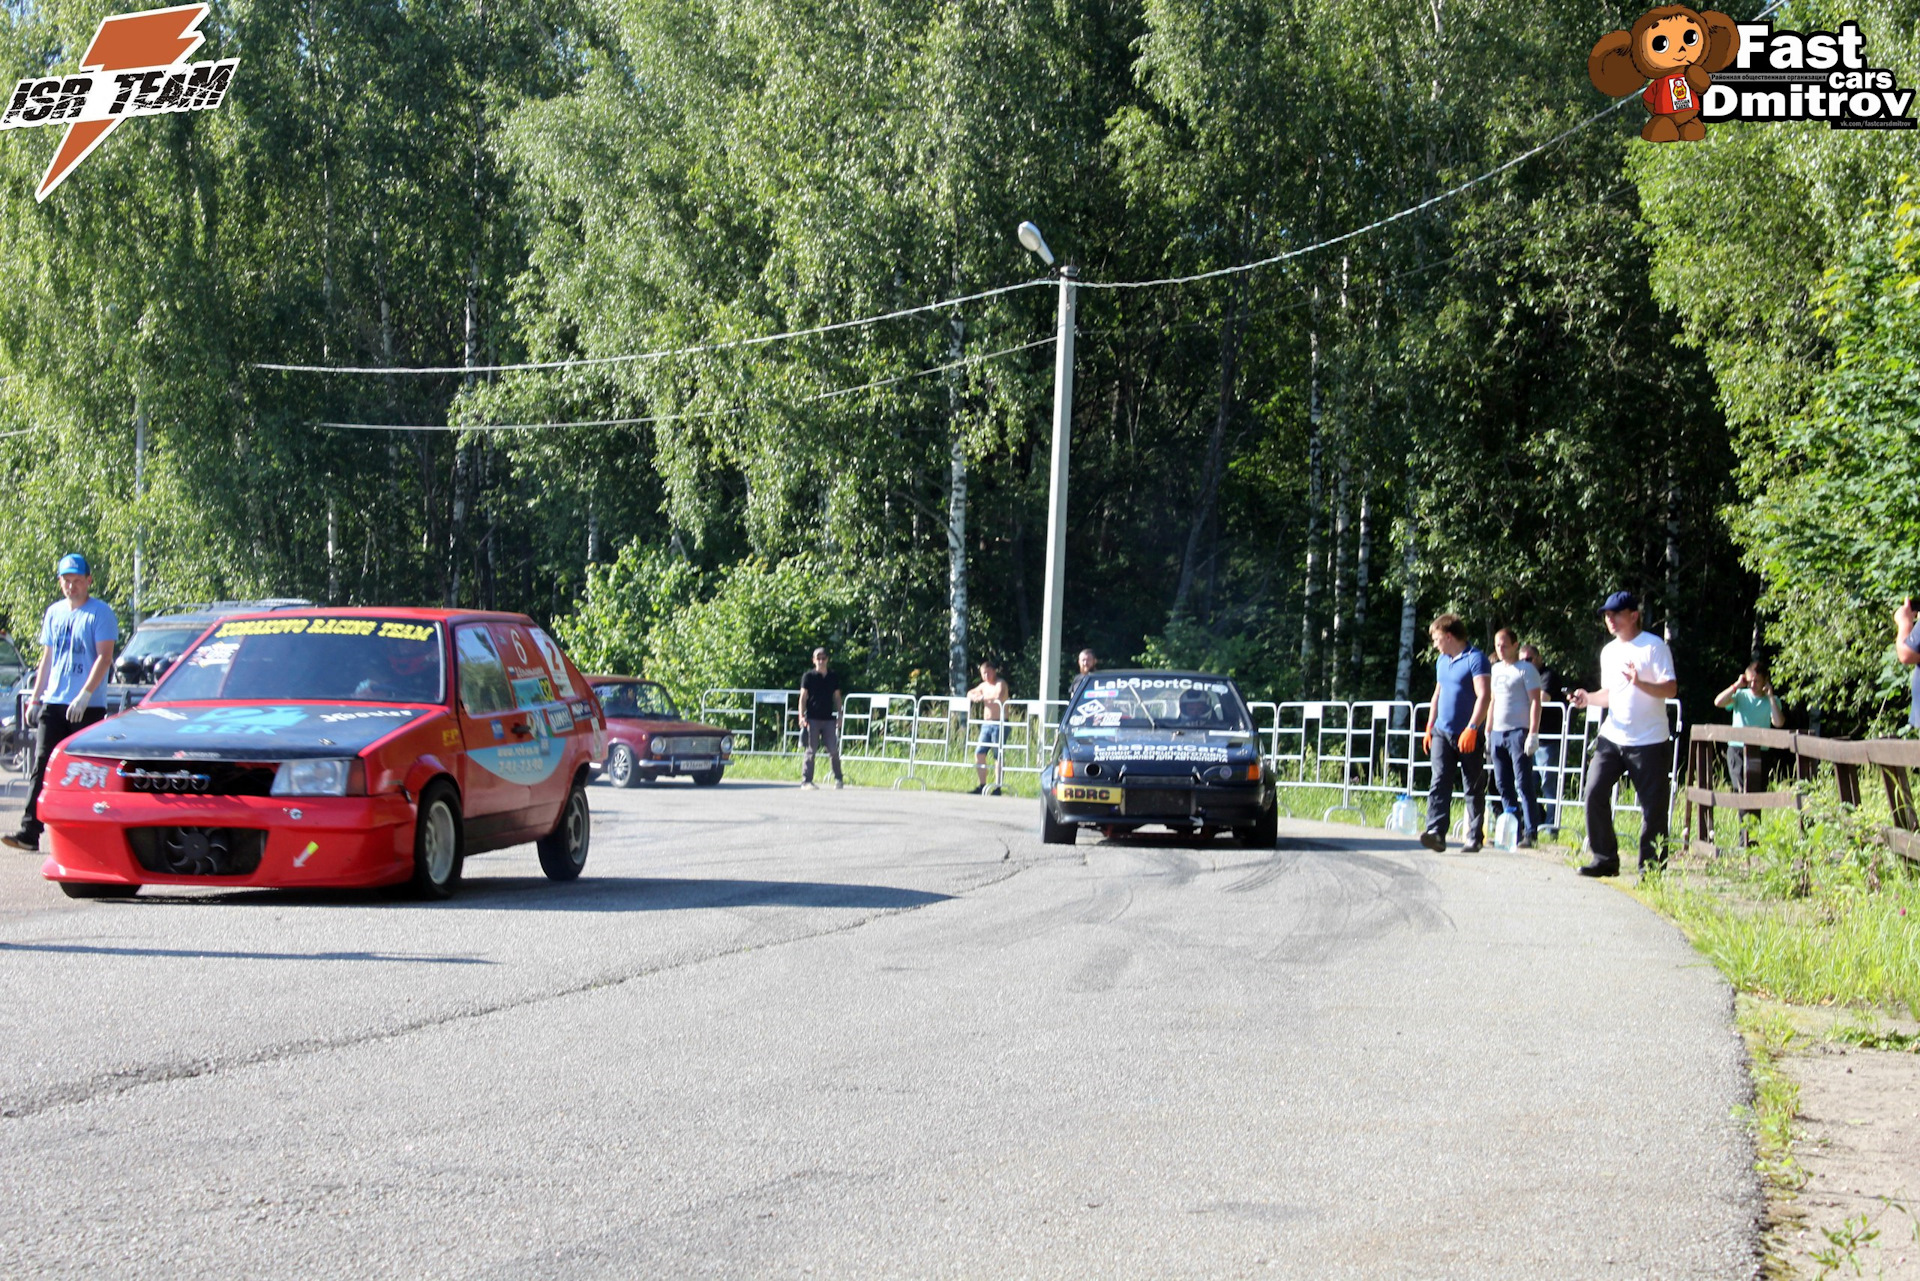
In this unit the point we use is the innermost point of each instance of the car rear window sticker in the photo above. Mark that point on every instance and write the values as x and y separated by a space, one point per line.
555 663
1158 752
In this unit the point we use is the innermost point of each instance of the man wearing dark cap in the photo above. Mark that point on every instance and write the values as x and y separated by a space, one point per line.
77 637
1636 679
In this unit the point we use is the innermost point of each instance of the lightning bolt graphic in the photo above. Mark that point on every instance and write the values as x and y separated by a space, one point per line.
153 39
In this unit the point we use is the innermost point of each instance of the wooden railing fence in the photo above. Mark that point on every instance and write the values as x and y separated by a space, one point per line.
1893 757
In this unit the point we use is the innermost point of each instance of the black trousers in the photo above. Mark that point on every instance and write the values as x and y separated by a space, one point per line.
1446 758
1647 767
54 726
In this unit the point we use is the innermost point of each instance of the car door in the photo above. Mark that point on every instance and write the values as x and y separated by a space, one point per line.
536 691
497 736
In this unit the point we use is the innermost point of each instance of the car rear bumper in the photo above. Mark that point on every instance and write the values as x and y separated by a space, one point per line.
319 842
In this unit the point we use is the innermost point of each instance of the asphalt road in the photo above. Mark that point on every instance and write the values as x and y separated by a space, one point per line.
866 1033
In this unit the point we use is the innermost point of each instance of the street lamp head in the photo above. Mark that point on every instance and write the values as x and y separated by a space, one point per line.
1035 242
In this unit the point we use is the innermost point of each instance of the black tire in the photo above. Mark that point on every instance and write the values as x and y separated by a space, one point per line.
1261 834
93 889
1054 832
620 766
563 851
439 842
708 777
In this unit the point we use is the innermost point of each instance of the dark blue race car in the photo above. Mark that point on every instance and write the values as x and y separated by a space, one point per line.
1157 749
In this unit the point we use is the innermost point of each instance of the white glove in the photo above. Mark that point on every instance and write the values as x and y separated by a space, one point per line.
1532 745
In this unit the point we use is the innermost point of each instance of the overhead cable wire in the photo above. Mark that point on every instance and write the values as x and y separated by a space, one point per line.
730 344
700 413
26 432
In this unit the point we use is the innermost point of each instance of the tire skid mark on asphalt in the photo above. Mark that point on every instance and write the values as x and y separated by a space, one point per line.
1357 899
113 1084
1101 971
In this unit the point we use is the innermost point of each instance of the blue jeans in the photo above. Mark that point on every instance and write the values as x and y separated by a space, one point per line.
1515 780
1446 757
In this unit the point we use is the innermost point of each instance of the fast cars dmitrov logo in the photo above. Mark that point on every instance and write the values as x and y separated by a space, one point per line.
136 66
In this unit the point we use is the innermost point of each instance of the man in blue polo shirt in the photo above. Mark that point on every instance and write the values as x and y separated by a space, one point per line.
77 637
1456 722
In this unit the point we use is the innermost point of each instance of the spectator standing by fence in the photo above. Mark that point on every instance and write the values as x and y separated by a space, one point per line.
1515 725
1636 679
992 695
1755 706
1462 688
1089 664
77 636
821 696
1906 647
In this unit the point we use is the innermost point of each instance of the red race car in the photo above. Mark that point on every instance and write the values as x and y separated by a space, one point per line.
647 740
332 747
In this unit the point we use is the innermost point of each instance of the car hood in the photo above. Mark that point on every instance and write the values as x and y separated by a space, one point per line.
641 725
244 731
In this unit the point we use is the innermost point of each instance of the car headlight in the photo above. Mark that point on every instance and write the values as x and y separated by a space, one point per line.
659 747
312 778
726 745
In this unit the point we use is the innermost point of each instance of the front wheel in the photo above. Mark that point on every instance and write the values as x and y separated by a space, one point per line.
620 770
708 777
563 851
1263 833
1054 832
437 848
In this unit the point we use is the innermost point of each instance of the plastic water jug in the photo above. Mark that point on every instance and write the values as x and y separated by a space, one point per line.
1506 833
1404 818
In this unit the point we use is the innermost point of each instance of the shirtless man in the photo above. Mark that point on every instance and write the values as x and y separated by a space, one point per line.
992 695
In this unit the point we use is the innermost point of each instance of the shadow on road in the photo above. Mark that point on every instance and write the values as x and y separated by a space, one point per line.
538 894
83 949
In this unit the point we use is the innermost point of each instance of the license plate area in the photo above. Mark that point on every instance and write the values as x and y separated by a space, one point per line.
1157 802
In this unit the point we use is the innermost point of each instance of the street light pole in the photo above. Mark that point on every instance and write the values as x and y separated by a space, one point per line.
1057 489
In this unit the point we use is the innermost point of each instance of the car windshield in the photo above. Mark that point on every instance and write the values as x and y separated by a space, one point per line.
366 660
1158 703
150 640
636 700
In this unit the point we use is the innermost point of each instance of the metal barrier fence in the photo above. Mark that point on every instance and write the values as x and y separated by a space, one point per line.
1361 748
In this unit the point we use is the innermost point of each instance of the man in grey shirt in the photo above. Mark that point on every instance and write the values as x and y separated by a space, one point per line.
1515 727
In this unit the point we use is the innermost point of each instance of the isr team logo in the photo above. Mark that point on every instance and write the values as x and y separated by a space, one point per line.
136 65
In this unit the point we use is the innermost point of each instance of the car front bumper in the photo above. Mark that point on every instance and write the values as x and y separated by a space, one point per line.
1148 801
309 841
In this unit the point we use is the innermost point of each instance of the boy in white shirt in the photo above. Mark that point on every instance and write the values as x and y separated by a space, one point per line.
1636 679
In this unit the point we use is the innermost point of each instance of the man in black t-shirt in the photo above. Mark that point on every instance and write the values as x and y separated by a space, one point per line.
820 698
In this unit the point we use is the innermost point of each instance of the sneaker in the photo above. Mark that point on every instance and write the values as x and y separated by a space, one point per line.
994 790
808 786
1602 867
21 841
1471 847
975 791
1524 843
839 783
1435 841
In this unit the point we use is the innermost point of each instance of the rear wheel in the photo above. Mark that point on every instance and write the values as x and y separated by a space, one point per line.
620 770
563 851
708 777
1053 831
93 889
437 842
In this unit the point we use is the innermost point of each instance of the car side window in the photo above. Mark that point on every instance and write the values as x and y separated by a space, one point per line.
483 680
527 672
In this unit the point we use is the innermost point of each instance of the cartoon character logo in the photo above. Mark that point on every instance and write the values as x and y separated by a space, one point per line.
1673 51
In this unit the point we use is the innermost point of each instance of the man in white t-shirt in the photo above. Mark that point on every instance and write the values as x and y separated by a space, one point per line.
1636 679
1514 726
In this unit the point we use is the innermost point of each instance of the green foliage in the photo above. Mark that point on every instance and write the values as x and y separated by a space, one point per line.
624 603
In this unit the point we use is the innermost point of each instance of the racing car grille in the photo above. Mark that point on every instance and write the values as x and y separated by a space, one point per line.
198 778
1157 800
198 851
693 746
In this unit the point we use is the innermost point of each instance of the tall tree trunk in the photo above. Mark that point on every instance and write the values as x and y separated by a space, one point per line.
1672 557
1311 584
1216 454
1362 563
1341 587
1409 601
956 524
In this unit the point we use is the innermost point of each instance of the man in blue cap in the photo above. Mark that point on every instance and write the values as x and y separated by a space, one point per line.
1636 679
77 637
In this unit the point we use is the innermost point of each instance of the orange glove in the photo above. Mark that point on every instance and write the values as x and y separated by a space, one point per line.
1426 741
1469 739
